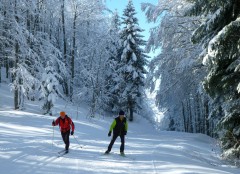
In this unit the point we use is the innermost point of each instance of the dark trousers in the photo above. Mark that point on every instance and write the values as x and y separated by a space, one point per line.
65 137
114 139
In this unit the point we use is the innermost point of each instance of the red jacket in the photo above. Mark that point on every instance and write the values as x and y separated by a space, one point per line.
65 124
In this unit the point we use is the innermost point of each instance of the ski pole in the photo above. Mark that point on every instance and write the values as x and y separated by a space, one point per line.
53 137
78 142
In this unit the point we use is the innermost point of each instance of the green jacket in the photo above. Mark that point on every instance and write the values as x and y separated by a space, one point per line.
119 126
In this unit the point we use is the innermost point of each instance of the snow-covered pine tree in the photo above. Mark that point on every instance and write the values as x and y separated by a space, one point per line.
220 34
50 87
133 62
112 77
19 54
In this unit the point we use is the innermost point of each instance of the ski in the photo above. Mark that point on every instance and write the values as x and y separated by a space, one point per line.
127 156
62 153
109 153
122 154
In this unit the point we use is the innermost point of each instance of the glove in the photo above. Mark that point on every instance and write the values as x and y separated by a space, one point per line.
72 133
125 132
53 123
109 133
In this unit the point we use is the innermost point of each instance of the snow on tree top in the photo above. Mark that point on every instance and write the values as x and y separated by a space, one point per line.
134 57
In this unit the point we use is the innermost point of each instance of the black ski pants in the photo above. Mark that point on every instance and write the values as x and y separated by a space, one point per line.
65 137
114 139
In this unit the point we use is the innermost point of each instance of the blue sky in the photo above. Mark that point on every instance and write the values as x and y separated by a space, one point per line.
120 5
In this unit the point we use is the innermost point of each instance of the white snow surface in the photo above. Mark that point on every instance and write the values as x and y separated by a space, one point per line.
29 145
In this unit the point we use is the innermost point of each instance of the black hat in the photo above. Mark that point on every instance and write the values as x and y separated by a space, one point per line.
121 112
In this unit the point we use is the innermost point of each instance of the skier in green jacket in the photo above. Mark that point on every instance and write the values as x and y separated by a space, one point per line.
119 127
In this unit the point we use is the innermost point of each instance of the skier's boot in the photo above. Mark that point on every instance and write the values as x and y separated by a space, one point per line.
107 152
66 149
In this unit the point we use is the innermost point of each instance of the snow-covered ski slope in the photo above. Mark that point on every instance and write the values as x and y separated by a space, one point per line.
30 145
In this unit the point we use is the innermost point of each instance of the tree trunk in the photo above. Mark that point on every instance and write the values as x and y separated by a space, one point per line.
6 59
190 117
21 98
64 48
64 33
7 67
93 102
130 105
207 131
187 116
15 78
0 73
198 121
184 118
131 114
73 55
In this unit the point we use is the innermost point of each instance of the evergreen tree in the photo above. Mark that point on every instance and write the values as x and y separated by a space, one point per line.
220 34
50 90
112 77
133 62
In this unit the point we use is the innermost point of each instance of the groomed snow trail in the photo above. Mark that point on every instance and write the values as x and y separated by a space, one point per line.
26 146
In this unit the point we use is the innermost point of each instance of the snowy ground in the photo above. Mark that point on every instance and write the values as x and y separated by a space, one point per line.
29 145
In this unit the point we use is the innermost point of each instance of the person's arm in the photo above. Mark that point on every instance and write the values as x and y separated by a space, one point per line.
126 126
56 122
112 125
72 125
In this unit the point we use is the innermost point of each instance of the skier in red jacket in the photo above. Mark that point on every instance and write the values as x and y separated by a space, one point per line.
65 124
